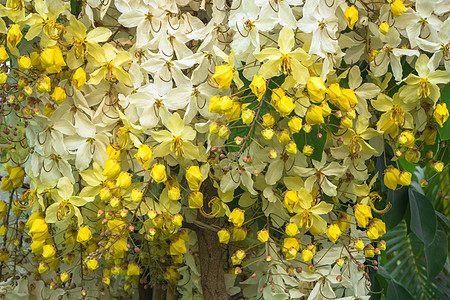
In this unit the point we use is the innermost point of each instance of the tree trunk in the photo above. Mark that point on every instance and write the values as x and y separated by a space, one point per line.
210 252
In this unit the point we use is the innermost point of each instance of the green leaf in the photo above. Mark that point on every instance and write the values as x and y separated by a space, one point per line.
399 201
443 220
436 253
397 291
423 218
444 132
302 138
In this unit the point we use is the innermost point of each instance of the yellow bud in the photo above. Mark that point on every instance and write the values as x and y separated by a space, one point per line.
224 132
290 200
113 151
79 78
441 114
314 115
307 150
247 116
112 168
268 133
158 173
3 230
124 180
333 232
291 229
285 106
430 134
68 259
59 94
397 8
177 247
7 184
224 236
214 104
316 89
43 85
136 195
223 76
24 62
92 264
334 92
363 213
235 111
384 28
237 217
372 233
14 35
283 136
3 54
258 86
381 245
340 261
326 110
346 122
348 99
174 193
359 245
405 178
351 16
307 255
84 234
391 177
268 120
295 124
194 178
214 128
65 276
3 208
263 235
3 78
369 251
177 220
406 139
43 268
438 166
195 199
343 221
412 155
52 59
48 251
291 148
144 156
133 269
39 229
273 154
239 233
277 94
105 194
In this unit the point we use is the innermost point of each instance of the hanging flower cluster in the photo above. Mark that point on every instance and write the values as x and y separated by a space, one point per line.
131 128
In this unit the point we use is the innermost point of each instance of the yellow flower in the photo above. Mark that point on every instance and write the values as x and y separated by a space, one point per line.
268 133
291 253
59 94
291 229
391 177
24 62
112 168
384 28
263 235
177 220
372 233
3 208
291 148
92 264
285 106
359 245
195 199
158 173
405 178
3 230
289 243
3 54
363 213
441 114
39 229
258 86
381 245
333 232
224 236
397 8
52 59
295 124
237 217
314 115
3 78
194 178
65 276
43 268
223 76
351 16
48 251
307 255
84 234
247 116
113 151
316 89
343 221
14 35
347 99
174 191
79 78
144 156
380 226
239 233
438 166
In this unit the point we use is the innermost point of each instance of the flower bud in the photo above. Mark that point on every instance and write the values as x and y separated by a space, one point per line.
124 180
194 177
223 76
247 116
295 124
79 78
224 236
158 173
384 28
268 133
351 16
24 62
307 150
59 94
136 195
